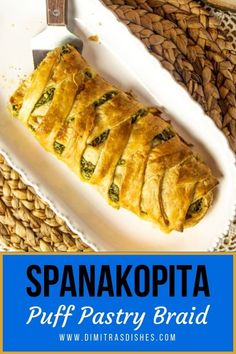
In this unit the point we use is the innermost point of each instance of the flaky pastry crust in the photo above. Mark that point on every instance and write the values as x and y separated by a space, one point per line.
127 150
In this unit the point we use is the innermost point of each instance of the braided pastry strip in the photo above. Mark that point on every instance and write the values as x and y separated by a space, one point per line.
132 155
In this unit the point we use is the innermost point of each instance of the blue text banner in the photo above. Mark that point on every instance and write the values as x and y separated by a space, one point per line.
118 303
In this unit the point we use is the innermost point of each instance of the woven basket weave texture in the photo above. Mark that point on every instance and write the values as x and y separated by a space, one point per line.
197 44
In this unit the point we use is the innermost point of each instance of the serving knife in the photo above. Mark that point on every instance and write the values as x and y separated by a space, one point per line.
56 32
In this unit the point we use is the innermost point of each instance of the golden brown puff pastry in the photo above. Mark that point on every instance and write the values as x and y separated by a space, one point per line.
133 156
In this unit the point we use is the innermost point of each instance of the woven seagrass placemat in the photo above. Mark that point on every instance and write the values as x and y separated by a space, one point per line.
197 44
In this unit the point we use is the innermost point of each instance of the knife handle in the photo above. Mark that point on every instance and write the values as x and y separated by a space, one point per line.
56 12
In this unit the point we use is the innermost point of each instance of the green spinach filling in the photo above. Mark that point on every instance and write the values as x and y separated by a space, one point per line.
106 97
165 135
114 193
194 208
16 107
121 162
65 49
88 74
87 168
46 97
100 139
137 115
58 147
32 127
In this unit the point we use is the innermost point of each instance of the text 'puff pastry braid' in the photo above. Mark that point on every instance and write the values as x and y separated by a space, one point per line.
133 156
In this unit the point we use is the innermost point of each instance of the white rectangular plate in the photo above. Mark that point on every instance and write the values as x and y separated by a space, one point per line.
123 60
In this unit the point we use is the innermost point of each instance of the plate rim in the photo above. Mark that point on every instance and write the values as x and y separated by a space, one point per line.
85 237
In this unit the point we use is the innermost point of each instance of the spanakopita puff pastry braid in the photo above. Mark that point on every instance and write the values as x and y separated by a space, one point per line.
133 156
